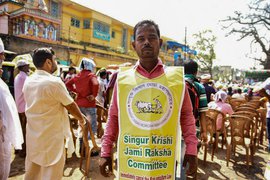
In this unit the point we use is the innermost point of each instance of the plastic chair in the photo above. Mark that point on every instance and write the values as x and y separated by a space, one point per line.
250 104
254 115
102 115
212 132
86 150
236 135
236 102
262 112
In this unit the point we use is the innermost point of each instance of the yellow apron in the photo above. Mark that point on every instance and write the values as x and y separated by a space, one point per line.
149 124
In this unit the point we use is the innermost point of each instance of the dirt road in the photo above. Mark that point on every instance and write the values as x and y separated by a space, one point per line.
215 169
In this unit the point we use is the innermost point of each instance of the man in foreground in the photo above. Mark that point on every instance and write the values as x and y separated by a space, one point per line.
145 115
47 103
10 126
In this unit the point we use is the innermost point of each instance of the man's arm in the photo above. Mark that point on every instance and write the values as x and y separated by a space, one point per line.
203 107
74 110
203 126
109 137
111 130
95 86
188 125
189 132
69 85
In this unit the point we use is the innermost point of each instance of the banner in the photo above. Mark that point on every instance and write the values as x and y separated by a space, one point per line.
149 130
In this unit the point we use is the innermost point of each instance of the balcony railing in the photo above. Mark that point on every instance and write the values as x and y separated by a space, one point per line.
36 13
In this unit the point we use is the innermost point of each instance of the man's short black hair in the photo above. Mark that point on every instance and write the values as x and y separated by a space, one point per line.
41 54
239 90
71 68
148 23
102 73
191 66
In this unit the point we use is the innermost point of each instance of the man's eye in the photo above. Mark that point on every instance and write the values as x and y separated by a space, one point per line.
140 39
152 37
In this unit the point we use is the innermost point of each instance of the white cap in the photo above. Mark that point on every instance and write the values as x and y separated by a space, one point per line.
2 48
206 76
22 62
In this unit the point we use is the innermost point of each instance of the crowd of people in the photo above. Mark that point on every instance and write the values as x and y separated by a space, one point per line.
152 108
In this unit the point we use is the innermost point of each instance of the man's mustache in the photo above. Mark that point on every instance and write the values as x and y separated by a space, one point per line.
146 47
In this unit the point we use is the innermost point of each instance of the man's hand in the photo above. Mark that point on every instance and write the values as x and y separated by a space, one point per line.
83 122
73 95
105 166
90 98
193 164
204 136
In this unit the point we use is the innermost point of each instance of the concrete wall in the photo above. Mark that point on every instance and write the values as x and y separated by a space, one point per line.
22 46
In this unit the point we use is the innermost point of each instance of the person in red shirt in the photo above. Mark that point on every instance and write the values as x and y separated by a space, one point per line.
85 85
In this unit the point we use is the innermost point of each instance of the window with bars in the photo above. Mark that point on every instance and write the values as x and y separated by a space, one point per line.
103 28
75 22
101 31
113 34
55 9
86 23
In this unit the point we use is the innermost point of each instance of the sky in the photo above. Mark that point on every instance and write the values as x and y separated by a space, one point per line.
173 16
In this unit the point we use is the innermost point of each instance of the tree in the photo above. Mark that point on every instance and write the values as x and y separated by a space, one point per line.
205 43
255 25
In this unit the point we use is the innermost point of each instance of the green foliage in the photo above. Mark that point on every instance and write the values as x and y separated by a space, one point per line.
205 46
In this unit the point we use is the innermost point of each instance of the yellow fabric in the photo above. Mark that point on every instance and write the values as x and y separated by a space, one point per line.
149 132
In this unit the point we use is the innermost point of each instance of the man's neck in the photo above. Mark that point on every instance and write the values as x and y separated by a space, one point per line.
149 65
24 72
44 69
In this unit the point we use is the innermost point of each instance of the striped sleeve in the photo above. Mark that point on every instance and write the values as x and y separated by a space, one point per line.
203 99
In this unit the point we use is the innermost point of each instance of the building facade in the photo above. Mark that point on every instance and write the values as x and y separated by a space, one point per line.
73 30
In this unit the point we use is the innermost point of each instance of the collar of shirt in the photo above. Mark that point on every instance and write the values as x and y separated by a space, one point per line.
190 76
157 71
22 73
84 72
42 72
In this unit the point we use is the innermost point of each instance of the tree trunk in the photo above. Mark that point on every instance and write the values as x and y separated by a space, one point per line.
266 64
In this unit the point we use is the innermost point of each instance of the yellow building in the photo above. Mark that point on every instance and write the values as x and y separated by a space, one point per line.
75 31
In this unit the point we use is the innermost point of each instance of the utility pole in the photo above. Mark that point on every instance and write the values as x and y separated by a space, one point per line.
69 61
185 43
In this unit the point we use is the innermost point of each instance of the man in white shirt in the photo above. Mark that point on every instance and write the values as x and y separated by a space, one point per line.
238 95
10 127
19 80
102 87
47 106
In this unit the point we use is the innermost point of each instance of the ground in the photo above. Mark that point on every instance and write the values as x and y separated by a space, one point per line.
216 169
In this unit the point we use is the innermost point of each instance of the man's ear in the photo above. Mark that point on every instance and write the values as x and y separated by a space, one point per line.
133 45
48 61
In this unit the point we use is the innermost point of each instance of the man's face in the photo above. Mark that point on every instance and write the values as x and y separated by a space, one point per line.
72 71
147 43
54 65
26 68
2 58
